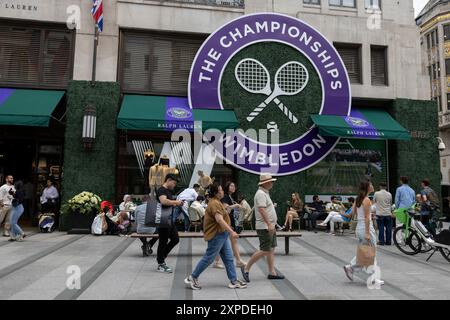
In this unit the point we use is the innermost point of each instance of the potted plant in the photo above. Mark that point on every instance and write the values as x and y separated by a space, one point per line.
80 211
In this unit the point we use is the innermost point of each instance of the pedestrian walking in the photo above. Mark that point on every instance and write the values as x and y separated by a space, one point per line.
17 210
232 208
405 197
365 231
383 203
164 195
217 231
266 220
6 197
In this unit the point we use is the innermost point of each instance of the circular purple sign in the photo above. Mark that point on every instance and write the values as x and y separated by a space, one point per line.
205 83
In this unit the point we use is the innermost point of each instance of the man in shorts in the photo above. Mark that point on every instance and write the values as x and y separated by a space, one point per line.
266 220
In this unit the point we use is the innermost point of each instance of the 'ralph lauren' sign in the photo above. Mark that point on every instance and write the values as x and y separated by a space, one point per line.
17 6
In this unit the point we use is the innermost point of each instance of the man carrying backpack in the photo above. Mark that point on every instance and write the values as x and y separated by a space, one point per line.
430 206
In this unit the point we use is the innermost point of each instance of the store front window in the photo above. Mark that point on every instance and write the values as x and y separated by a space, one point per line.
140 155
342 170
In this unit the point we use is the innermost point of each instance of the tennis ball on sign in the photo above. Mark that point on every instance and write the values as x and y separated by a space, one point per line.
272 126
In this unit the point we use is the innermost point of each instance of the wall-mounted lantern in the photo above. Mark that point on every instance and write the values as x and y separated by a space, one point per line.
89 126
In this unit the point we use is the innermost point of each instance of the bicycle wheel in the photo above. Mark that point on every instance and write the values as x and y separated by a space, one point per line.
425 247
445 253
411 245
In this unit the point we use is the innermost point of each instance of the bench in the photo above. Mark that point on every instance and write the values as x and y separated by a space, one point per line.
244 234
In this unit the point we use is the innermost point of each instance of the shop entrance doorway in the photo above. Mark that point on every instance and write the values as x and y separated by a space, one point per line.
32 162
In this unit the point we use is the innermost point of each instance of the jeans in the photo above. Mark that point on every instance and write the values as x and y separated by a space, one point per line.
384 230
333 218
219 244
164 247
16 212
177 212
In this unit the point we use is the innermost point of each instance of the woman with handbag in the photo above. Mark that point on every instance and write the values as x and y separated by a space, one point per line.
365 232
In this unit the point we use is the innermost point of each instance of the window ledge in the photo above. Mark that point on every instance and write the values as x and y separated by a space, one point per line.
186 5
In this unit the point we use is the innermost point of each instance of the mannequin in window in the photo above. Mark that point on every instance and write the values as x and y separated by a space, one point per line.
149 161
204 181
158 173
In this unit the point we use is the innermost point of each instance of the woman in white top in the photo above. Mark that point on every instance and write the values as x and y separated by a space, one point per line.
127 204
49 198
365 232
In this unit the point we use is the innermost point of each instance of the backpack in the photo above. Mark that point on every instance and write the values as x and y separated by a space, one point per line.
433 200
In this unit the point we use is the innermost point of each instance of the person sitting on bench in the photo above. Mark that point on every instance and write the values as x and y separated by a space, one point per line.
295 209
338 216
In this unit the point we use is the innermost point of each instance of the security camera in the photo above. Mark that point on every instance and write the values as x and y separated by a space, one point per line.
441 145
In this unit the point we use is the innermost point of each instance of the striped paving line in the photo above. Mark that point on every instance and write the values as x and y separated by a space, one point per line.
23 263
29 235
95 271
389 288
285 287
182 269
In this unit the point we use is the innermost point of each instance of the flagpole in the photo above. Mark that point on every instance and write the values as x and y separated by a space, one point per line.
94 61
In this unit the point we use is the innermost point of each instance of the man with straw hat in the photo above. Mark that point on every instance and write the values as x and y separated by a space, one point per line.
266 220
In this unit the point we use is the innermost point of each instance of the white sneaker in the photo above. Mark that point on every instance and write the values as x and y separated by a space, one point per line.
349 272
380 282
238 285
218 265
192 282
164 268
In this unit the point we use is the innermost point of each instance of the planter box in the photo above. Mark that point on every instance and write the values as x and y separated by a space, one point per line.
79 223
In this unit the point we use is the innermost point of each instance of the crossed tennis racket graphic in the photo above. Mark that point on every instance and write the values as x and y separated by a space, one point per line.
290 79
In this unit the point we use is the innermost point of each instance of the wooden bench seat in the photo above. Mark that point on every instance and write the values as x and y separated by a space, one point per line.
244 234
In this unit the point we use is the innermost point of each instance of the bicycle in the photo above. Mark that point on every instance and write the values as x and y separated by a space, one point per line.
412 237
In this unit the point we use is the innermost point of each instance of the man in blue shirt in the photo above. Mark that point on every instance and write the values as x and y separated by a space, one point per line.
405 196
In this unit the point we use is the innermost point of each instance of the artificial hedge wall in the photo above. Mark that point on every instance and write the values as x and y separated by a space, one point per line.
418 158
273 56
93 171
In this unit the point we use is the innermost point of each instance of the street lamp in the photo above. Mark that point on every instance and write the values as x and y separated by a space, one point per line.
89 126
441 146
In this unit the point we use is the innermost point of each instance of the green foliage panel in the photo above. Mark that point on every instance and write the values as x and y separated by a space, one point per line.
93 171
418 158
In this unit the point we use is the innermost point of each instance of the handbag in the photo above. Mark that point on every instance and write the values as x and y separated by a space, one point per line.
365 255
96 227
158 216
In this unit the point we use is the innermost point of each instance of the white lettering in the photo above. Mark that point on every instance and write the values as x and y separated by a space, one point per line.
262 27
248 30
284 160
311 149
236 35
214 54
294 32
223 44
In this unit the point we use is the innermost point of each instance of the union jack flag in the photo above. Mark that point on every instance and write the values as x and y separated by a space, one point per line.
97 13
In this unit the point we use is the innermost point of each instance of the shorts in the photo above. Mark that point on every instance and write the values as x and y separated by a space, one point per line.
266 241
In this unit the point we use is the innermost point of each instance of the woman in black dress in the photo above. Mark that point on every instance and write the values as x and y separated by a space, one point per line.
232 208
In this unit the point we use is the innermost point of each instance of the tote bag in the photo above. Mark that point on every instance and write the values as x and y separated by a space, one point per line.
365 255
157 216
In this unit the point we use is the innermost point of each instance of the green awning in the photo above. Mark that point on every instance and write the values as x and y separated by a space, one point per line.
363 123
157 113
20 107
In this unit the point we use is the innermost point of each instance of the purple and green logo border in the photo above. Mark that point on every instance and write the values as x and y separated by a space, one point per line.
221 46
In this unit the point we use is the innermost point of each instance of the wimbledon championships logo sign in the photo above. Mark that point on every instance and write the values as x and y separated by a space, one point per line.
239 67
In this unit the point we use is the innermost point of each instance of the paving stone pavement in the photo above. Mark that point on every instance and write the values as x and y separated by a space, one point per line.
113 268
